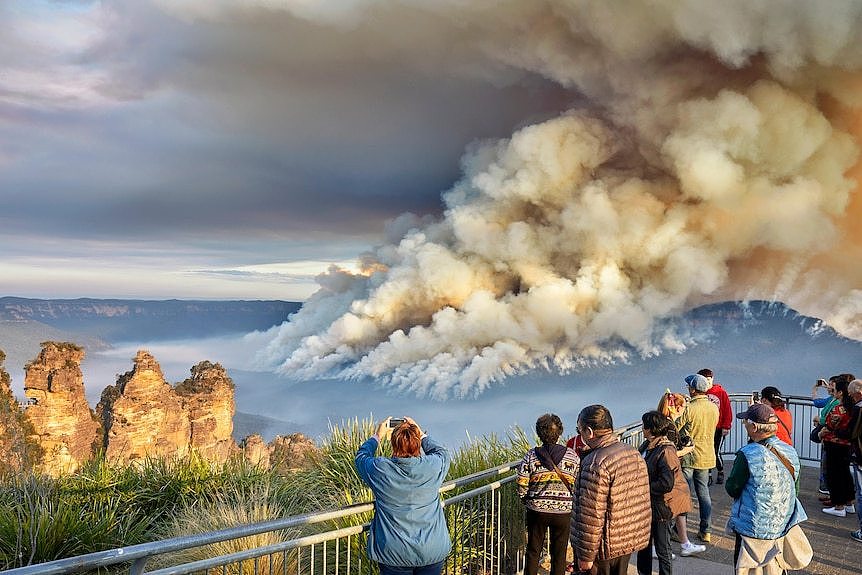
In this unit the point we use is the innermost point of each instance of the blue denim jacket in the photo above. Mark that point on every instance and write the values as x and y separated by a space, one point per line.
408 528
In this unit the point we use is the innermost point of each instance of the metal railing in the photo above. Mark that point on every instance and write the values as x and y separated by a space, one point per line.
484 515
802 411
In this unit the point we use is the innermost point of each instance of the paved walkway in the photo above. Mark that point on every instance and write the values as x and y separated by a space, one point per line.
835 553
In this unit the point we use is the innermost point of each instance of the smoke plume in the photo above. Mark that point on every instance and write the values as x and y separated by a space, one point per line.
711 154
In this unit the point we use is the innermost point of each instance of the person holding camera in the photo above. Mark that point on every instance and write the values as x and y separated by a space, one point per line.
545 481
836 444
408 533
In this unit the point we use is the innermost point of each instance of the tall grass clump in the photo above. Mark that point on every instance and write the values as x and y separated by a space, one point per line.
103 505
38 523
471 524
252 505
331 480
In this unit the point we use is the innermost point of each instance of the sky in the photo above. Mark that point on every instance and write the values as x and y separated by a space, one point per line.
460 190
227 150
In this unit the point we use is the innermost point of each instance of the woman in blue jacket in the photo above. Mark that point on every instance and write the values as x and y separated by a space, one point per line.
408 532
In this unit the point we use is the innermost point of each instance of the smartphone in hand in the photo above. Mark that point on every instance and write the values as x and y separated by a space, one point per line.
395 422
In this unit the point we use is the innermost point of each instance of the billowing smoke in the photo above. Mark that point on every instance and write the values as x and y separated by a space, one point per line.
708 157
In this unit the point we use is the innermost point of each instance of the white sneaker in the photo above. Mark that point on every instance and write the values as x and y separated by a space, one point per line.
691 548
835 512
850 508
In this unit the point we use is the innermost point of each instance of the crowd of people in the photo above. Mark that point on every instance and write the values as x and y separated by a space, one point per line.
610 500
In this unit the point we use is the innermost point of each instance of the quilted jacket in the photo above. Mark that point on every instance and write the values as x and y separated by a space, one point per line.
612 512
668 488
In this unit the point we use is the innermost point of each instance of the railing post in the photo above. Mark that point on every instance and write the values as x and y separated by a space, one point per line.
138 565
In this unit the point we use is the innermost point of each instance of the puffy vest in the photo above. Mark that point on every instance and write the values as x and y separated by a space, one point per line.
767 507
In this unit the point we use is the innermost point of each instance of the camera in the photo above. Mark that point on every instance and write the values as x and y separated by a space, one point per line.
395 422
755 396
821 382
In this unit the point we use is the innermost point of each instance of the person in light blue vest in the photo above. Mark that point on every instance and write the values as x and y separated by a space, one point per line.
764 482
408 532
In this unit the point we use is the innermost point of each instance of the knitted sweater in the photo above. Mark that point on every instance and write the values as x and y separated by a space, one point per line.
540 488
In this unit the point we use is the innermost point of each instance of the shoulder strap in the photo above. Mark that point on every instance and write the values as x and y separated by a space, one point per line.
784 425
783 460
547 459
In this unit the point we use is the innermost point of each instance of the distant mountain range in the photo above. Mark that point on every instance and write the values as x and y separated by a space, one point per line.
97 324
117 320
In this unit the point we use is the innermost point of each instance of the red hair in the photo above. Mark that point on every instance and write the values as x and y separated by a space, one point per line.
406 440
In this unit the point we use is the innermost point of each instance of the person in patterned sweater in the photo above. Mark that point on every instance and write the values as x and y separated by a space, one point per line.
545 479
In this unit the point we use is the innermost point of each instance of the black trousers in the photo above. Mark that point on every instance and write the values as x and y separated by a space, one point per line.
616 566
537 525
659 537
716 444
838 476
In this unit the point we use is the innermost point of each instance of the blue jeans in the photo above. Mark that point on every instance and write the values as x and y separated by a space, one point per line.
434 569
698 484
856 472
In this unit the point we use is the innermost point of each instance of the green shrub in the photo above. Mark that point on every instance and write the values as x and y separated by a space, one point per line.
39 523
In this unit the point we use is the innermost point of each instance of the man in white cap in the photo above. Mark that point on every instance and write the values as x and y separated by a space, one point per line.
698 421
764 483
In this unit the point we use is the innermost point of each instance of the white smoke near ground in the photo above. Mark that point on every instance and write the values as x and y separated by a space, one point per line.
705 148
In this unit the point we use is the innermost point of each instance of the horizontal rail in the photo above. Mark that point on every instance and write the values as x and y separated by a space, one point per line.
213 562
143 551
110 557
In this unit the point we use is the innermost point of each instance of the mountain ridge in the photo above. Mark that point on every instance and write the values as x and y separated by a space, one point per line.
115 320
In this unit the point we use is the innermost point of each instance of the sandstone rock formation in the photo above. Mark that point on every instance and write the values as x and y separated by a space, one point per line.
142 414
17 448
63 423
208 399
284 453
255 450
291 451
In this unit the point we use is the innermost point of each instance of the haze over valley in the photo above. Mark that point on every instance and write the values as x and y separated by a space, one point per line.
748 345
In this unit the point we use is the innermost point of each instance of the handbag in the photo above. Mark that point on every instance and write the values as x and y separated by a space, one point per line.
796 553
815 433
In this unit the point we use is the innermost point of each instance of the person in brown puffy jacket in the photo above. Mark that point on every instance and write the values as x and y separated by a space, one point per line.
612 514
668 491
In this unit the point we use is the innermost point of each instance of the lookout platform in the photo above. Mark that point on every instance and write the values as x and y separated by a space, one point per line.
835 553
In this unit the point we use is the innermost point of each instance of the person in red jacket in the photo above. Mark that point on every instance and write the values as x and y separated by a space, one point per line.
772 397
719 397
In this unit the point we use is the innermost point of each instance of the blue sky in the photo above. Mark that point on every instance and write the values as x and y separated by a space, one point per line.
200 150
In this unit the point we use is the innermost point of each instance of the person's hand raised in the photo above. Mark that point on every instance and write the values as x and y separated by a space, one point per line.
383 429
413 422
